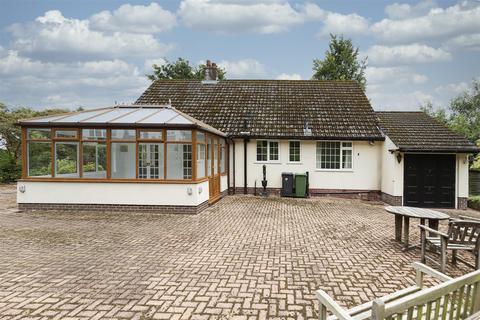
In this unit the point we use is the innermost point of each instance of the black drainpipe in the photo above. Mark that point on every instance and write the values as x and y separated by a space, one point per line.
233 164
245 141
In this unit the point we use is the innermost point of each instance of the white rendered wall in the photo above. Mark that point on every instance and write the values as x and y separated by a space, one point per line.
113 193
365 174
392 170
462 175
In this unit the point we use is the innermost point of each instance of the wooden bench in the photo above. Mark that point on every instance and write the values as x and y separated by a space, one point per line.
452 299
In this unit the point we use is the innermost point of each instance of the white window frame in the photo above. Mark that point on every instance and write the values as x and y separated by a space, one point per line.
299 152
318 155
268 151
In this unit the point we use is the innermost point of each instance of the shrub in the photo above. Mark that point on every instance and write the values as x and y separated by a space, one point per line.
474 202
10 169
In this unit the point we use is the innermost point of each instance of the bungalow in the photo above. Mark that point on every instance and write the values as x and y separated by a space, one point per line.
186 143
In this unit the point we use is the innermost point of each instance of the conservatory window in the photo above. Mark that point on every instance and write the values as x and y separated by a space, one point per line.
39 159
179 161
66 159
122 160
94 160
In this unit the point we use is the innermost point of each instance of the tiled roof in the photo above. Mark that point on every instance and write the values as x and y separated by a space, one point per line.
124 115
416 131
273 108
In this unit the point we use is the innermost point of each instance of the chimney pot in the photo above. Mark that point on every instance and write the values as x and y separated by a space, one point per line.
211 73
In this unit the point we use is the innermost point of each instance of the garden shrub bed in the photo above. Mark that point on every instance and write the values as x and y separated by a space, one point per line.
474 202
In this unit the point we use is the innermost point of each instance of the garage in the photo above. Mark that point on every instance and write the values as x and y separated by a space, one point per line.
429 180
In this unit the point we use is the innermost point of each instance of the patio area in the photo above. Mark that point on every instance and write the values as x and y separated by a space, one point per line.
245 257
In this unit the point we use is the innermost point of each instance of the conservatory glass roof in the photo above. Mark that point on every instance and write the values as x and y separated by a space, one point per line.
124 115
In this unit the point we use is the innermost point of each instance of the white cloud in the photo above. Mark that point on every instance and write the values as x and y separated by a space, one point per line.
452 89
65 84
147 65
394 100
246 68
348 24
393 75
438 23
286 76
404 11
467 41
54 37
134 19
406 54
239 16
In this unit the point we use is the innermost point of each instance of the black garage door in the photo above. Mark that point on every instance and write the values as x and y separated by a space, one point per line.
429 181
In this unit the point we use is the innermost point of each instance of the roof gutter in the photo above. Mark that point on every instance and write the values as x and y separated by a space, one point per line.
473 150
302 137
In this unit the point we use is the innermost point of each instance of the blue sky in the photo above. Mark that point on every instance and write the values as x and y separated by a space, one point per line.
95 53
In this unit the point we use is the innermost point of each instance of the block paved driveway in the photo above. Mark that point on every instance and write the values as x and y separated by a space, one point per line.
244 258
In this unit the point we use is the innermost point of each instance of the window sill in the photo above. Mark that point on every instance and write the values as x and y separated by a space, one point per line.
267 162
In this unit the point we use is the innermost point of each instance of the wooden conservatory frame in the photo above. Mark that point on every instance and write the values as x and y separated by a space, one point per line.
222 149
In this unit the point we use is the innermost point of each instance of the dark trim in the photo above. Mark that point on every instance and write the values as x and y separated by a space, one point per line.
81 125
444 150
293 137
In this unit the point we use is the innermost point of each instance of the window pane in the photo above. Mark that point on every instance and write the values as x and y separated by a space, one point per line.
66 133
200 136
273 150
123 134
179 135
123 160
39 159
94 160
151 161
328 155
347 159
39 133
151 135
262 150
179 161
94 134
346 144
66 159
201 161
294 151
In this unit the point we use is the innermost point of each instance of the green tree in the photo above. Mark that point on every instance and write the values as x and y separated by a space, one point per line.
10 138
462 115
181 69
341 62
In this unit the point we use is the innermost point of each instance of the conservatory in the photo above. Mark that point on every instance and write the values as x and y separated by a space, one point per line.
135 158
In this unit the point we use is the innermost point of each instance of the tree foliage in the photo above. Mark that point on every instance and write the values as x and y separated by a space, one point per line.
10 137
181 69
462 115
341 62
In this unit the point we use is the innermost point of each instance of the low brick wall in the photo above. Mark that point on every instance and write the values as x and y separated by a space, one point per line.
391 200
372 195
112 208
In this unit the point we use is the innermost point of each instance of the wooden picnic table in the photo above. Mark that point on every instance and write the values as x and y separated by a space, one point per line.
403 215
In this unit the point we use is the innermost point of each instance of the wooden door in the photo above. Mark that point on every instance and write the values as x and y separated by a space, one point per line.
213 169
429 180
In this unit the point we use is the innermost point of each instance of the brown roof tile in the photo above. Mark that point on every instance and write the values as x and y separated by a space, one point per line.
416 131
273 108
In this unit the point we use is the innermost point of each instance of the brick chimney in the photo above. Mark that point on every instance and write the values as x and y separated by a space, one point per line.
211 72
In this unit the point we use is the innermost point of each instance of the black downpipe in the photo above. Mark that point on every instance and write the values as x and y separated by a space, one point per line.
233 164
245 141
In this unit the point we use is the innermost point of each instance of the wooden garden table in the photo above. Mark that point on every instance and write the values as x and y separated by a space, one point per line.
403 215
